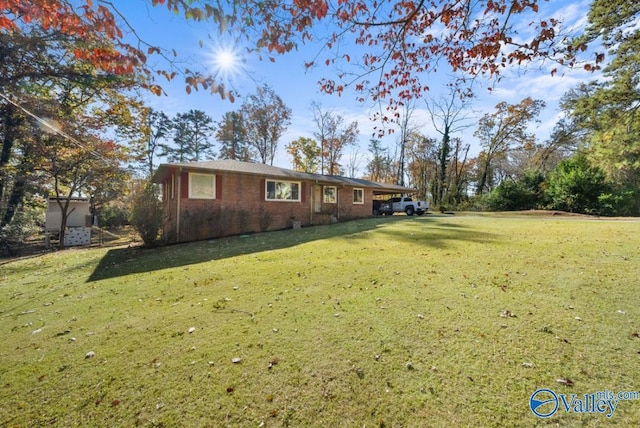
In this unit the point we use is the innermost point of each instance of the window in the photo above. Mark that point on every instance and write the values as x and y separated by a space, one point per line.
282 191
329 194
202 186
358 196
172 186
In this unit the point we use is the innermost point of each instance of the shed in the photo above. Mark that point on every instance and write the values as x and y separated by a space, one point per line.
79 220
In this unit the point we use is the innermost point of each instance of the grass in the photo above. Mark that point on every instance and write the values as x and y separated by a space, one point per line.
430 321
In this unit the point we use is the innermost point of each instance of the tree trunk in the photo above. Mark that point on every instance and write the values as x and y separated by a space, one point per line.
11 122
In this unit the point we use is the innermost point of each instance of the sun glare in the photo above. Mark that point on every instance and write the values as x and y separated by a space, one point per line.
227 63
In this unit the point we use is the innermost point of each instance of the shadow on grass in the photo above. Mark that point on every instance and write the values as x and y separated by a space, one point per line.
125 261
438 233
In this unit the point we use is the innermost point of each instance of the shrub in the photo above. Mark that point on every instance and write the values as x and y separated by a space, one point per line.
620 202
27 222
114 214
576 186
146 215
525 193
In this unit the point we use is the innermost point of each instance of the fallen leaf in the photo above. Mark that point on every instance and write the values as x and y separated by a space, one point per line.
90 354
565 381
230 389
236 360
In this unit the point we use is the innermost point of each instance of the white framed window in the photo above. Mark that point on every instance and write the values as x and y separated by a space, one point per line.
358 196
282 190
330 194
202 186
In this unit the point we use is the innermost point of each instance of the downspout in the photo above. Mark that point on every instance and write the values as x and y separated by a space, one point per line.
179 195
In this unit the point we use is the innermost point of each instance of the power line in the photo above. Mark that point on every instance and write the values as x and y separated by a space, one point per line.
55 129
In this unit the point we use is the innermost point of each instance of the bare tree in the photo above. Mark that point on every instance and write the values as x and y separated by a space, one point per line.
406 130
448 116
334 135
353 164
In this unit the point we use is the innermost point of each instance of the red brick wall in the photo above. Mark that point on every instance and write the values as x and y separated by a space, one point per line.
240 207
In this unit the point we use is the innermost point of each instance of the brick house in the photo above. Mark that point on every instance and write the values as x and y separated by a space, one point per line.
203 200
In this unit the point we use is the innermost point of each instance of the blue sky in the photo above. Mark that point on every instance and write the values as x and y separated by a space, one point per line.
298 87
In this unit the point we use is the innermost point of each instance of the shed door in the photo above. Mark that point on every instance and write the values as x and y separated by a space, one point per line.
317 198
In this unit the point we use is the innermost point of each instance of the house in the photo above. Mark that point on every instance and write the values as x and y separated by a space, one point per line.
79 220
211 199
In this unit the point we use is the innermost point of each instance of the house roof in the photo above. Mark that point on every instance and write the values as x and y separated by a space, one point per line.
164 170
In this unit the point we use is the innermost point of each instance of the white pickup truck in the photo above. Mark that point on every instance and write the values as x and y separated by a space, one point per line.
403 204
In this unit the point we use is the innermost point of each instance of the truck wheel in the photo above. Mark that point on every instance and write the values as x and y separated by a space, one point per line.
409 210
419 212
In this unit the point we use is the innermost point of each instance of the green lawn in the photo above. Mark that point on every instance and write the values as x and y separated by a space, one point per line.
395 322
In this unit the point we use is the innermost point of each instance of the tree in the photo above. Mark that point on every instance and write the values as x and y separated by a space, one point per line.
232 136
305 154
380 166
334 136
608 110
500 131
43 86
421 155
448 117
158 127
265 118
353 164
78 167
124 53
146 215
459 172
192 133
404 40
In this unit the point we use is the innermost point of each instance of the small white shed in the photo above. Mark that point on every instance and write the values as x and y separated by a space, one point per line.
79 220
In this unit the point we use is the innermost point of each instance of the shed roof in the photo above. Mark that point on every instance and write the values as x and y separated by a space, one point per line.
164 170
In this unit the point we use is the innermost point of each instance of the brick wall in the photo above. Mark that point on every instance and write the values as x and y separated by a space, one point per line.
240 207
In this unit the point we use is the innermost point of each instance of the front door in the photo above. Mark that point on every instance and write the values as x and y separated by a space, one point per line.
317 198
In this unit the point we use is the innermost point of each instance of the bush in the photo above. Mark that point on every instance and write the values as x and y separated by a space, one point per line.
27 222
114 214
576 186
527 193
146 215
620 202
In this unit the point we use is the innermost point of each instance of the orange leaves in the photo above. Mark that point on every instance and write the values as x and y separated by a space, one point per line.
6 23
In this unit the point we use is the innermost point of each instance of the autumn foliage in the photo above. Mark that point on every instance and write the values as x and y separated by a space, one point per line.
393 44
